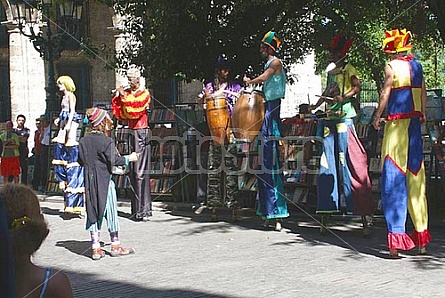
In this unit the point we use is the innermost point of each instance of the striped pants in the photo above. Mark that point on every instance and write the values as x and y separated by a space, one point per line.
110 213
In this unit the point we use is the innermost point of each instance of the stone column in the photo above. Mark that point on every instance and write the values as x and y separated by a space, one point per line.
27 80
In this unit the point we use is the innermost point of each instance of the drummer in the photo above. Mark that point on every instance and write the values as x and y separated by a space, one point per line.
221 176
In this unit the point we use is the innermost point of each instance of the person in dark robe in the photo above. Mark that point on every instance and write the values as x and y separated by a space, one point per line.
97 154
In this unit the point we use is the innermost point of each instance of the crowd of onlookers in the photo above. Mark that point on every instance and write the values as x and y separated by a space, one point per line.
15 154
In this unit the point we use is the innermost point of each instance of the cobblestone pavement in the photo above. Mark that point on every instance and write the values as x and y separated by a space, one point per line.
181 254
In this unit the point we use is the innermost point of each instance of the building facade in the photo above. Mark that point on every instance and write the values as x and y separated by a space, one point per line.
87 57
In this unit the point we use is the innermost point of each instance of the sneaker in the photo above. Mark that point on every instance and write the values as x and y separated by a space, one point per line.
117 251
97 254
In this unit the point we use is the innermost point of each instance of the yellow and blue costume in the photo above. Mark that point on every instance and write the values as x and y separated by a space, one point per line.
403 172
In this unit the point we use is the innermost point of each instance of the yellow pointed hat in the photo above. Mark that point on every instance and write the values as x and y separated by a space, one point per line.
397 40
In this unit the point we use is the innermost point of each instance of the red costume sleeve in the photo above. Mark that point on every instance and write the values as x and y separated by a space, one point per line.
131 106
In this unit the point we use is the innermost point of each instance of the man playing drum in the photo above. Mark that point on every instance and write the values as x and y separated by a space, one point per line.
272 203
222 165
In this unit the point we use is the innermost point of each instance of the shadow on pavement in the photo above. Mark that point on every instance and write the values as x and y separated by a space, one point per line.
61 214
81 248
91 285
51 211
345 232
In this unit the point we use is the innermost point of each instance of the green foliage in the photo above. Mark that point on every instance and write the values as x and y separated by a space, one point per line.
433 62
184 38
366 21
171 37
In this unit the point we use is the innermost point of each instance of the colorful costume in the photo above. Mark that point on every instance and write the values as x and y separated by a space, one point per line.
132 107
70 139
66 167
343 164
271 200
403 174
98 154
222 160
66 151
10 162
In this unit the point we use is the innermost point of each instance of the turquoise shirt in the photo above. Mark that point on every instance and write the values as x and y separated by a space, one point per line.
275 86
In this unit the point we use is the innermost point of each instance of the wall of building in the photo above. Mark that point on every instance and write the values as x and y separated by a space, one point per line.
28 71
307 85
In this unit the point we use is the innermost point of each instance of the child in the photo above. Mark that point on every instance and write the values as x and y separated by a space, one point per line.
10 165
97 154
28 229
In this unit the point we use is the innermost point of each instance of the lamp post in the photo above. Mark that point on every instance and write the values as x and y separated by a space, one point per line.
29 16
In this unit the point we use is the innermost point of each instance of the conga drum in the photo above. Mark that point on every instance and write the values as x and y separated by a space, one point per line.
248 115
218 119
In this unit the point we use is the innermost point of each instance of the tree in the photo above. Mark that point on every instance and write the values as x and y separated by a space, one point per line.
366 21
437 7
184 38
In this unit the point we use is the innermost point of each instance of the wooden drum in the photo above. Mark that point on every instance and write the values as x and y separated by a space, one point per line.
248 115
218 119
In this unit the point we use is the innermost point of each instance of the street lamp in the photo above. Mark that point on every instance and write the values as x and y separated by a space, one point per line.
29 16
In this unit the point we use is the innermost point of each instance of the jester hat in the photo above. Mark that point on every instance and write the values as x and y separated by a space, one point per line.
340 44
272 40
397 40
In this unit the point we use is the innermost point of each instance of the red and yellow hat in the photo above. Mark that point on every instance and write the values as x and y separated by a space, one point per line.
397 40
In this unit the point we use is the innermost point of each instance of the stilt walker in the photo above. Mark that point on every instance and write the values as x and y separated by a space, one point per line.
66 150
403 173
272 202
343 183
